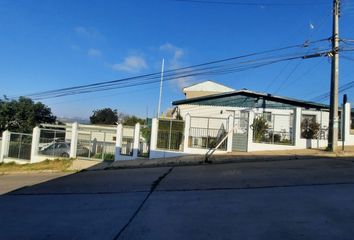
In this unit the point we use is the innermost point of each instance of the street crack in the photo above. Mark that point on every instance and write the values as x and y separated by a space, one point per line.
154 185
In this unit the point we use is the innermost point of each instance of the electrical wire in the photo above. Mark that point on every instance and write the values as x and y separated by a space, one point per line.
341 89
223 66
244 3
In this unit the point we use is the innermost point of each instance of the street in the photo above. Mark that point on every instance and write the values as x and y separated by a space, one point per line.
294 199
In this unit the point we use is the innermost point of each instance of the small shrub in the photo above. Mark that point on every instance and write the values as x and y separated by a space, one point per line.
309 129
106 156
260 128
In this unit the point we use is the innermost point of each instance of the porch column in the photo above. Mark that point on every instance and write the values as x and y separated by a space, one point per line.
35 144
187 125
119 135
74 137
136 140
5 144
230 133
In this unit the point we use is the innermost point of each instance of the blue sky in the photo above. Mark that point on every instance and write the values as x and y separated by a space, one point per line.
48 45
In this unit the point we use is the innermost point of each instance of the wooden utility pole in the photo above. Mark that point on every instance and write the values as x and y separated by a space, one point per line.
333 114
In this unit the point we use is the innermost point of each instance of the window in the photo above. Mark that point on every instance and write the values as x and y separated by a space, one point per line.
352 122
308 117
309 126
267 116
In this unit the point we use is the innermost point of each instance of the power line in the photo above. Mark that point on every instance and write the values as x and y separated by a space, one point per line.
223 66
326 95
266 4
224 70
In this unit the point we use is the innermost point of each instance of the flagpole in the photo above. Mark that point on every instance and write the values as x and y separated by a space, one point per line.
162 70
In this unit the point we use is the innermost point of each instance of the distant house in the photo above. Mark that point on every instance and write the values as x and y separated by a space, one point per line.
204 89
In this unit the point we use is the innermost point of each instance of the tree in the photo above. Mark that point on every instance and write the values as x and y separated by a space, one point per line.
309 128
23 115
104 116
131 120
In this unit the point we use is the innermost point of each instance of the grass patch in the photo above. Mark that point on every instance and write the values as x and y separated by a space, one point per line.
55 165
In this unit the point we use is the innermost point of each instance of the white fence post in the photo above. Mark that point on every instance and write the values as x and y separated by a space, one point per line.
119 136
136 140
187 125
250 131
346 123
35 144
5 144
154 130
74 138
230 133
297 127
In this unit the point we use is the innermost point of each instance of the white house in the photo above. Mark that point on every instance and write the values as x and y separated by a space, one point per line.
212 112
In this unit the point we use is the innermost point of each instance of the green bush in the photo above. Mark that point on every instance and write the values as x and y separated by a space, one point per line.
106 157
309 128
260 128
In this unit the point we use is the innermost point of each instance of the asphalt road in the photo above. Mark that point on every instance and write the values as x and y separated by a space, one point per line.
298 199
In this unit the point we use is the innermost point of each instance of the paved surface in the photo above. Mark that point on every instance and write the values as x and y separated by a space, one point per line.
282 155
10 182
298 199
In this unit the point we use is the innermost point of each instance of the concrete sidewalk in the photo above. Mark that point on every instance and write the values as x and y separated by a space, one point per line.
233 157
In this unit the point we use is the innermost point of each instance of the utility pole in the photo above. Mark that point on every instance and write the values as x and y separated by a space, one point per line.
333 112
162 70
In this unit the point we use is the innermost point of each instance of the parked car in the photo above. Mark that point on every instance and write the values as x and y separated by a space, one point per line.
62 149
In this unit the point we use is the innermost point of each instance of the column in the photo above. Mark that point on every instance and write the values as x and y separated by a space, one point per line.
5 144
154 130
230 133
297 126
250 132
346 123
36 133
119 135
74 138
136 140
187 126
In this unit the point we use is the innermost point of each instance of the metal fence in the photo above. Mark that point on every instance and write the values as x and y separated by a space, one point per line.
273 129
205 132
96 145
53 142
20 146
170 134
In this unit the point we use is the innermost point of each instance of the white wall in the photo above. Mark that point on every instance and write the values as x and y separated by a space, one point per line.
282 122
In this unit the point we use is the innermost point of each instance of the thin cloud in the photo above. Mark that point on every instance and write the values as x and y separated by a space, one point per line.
92 52
177 53
175 61
90 33
131 64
